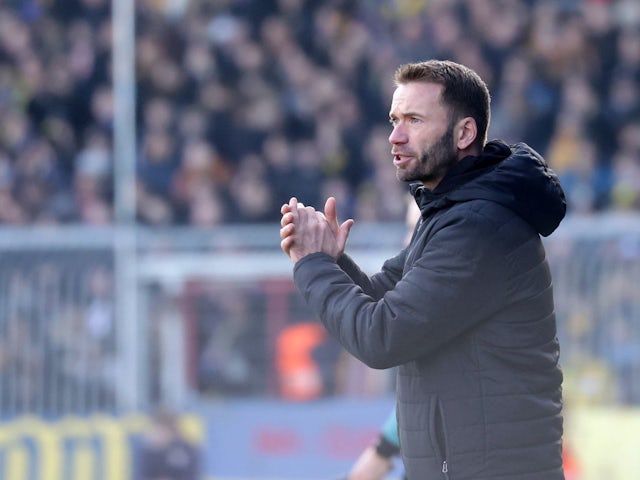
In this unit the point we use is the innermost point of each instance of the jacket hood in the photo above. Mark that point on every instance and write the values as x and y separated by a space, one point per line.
514 176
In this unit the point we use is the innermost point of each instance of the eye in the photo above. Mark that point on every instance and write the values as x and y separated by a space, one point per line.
415 120
393 121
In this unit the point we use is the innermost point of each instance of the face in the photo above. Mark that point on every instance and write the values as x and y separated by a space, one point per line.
422 139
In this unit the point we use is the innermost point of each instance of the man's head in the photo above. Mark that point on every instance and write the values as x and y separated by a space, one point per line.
440 113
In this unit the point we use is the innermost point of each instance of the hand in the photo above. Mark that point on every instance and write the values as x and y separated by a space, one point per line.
305 231
370 466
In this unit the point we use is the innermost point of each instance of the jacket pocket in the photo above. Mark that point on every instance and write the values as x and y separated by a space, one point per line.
438 432
423 438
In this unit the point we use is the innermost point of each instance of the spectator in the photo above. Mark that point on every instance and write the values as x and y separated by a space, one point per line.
165 454
236 78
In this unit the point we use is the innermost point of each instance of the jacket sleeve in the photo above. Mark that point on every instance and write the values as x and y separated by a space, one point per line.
457 281
377 285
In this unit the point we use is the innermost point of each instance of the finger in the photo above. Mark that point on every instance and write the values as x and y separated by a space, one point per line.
330 210
286 245
287 231
286 219
285 208
293 206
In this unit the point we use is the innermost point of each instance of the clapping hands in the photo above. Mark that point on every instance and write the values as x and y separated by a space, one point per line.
305 230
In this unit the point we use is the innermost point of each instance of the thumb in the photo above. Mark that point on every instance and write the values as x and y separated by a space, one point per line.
343 233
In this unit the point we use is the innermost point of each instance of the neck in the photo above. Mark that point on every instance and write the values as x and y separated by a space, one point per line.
470 150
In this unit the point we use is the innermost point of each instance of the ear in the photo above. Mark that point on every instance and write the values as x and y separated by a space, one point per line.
465 133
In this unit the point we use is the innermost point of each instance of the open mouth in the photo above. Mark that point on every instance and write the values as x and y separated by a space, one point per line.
401 160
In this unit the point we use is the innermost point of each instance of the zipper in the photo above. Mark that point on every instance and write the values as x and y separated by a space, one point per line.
441 437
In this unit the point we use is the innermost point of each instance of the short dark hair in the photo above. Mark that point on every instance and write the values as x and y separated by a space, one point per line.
464 92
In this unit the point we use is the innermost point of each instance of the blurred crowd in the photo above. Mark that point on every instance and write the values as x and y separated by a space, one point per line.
244 103
58 350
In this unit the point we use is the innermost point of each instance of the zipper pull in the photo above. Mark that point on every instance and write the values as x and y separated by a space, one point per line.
445 468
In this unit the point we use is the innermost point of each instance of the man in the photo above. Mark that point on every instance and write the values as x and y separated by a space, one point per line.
466 309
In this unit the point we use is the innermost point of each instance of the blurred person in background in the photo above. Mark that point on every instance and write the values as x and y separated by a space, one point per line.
165 454
377 460
305 360
228 335
466 310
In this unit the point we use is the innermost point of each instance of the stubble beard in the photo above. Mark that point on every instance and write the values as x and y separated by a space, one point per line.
433 162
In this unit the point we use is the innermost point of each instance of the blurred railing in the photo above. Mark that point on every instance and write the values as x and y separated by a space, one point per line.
212 308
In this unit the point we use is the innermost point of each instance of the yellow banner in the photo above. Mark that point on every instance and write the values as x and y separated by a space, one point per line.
76 448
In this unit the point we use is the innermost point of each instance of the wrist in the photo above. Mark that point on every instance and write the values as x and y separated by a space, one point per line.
385 448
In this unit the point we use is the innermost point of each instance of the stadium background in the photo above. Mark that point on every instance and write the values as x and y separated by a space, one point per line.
139 218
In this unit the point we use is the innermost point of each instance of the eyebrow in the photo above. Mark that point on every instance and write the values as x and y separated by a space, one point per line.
407 114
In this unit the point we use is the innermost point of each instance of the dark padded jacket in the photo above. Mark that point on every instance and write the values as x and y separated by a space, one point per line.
466 311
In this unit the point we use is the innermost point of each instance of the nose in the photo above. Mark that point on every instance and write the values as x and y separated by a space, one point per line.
398 135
